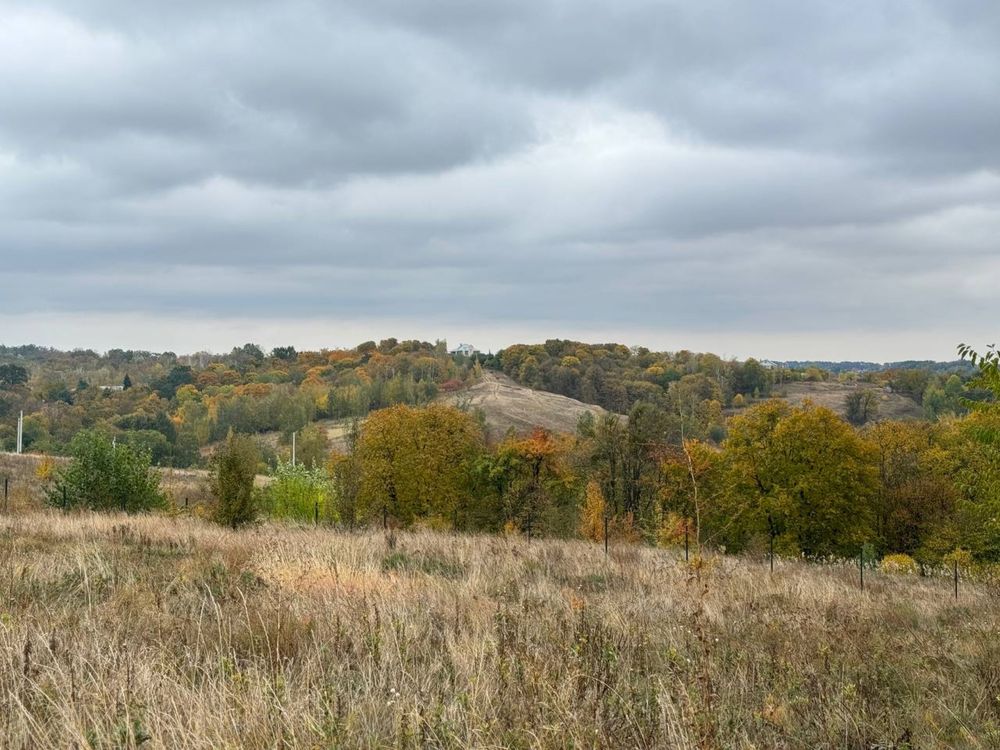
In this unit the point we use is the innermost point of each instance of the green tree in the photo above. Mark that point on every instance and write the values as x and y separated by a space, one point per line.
54 389
312 446
166 387
345 474
861 406
751 378
988 376
286 353
941 399
12 375
105 476
234 468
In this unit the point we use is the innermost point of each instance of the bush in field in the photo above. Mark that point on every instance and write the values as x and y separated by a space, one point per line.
898 563
313 446
300 493
105 476
234 469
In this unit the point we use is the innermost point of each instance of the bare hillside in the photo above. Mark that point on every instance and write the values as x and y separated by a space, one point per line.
833 396
509 405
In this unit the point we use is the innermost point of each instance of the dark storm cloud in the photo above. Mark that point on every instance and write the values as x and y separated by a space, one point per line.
776 168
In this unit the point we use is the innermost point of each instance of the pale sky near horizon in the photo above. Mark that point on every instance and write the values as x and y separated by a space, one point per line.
775 179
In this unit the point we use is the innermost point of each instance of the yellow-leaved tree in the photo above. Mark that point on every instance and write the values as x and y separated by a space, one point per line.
805 475
416 463
593 513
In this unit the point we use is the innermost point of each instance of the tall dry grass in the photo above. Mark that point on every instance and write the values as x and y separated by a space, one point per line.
120 632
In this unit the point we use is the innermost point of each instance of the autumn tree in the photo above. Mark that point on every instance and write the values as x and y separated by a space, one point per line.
416 463
535 483
805 476
594 513
693 496
916 495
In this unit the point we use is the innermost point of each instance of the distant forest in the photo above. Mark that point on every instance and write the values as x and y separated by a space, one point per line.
176 405
618 377
690 443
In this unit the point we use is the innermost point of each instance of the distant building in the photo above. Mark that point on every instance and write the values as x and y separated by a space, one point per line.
112 387
465 350
768 364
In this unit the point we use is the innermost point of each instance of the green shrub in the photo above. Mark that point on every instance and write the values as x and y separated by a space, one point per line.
300 493
105 476
234 468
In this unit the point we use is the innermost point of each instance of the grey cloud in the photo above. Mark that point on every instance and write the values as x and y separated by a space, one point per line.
776 166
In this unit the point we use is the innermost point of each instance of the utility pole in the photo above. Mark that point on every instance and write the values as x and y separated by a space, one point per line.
293 449
20 433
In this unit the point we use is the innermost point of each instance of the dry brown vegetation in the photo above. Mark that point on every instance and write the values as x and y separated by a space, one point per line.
833 396
506 405
170 632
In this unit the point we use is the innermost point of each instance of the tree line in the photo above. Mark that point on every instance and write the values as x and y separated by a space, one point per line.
174 407
798 479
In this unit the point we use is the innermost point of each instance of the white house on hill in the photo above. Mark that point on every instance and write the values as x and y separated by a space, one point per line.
466 350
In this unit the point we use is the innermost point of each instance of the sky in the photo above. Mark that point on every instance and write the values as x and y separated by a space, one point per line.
780 179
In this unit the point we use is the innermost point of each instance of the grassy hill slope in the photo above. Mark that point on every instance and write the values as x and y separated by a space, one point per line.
507 405
833 395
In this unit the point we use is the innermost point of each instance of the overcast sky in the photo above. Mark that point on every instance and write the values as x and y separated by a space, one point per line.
783 179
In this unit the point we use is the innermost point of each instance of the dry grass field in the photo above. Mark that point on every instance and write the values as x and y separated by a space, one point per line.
169 632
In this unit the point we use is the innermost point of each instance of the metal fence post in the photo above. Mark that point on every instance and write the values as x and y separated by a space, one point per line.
861 566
